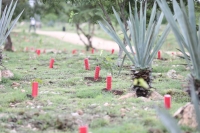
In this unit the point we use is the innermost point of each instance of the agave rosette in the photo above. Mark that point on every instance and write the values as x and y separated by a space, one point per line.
146 41
6 26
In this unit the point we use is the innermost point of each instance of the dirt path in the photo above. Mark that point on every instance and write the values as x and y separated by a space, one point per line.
73 38
98 43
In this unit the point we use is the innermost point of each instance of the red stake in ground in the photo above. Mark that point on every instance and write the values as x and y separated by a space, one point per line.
167 101
96 75
112 52
83 129
109 82
34 89
86 62
159 54
51 63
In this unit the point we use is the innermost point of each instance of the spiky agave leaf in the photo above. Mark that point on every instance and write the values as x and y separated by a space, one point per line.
169 122
6 26
186 33
146 42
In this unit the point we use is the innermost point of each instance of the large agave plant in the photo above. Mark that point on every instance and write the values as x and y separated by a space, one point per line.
6 25
146 42
183 24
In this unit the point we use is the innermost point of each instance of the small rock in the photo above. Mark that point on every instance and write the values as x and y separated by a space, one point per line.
7 74
172 74
75 114
133 108
155 96
2 87
15 84
123 110
80 112
187 115
22 90
92 106
106 104
128 95
107 118
144 99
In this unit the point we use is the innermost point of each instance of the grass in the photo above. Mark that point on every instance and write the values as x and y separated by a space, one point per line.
66 100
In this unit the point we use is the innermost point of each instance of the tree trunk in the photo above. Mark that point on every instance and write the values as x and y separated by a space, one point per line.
144 74
8 44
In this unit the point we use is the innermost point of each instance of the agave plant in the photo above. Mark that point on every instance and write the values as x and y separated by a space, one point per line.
145 41
6 26
186 34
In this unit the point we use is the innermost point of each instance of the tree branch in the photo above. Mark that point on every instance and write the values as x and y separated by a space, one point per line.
106 14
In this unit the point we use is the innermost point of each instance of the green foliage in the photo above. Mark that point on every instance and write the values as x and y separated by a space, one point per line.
50 17
83 13
107 62
146 42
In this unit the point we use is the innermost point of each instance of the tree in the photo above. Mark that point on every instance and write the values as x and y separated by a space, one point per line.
105 5
86 15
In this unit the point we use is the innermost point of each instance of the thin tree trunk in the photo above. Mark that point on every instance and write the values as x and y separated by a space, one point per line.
8 45
88 36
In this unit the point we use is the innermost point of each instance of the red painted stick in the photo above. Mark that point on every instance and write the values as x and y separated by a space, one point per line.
38 52
167 101
109 82
83 129
112 52
34 89
51 63
159 54
86 61
92 51
97 69
74 52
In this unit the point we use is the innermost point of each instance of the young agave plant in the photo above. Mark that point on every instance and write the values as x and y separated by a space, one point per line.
146 42
6 26
186 34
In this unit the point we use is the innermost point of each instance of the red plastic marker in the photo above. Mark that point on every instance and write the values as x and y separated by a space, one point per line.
112 52
167 101
74 52
86 61
34 89
96 75
92 51
109 82
26 49
51 63
159 54
38 52
83 129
